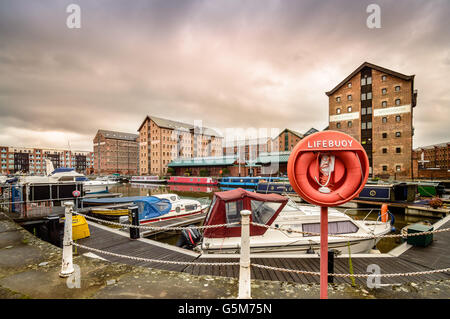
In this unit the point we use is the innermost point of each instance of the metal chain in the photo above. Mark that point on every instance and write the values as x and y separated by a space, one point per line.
154 260
354 236
315 273
155 227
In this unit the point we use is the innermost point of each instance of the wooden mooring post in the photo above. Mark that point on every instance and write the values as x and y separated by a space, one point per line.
67 257
244 271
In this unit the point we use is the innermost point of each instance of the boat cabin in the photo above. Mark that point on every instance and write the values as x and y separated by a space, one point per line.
226 208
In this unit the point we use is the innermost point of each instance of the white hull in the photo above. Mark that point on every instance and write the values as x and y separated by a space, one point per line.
276 241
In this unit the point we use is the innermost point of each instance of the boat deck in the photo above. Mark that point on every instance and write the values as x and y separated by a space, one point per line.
402 259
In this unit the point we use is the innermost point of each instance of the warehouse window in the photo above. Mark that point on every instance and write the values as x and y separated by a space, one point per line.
349 84
385 168
349 124
369 95
338 111
384 119
338 125
398 150
338 99
384 135
349 109
398 168
384 104
398 134
397 88
397 102
384 150
384 91
349 97
383 78
398 118
363 96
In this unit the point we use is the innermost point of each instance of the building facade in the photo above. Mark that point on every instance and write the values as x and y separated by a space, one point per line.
31 160
162 140
432 161
116 153
375 106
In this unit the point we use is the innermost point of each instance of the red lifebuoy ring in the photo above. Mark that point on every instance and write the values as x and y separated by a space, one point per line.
328 168
347 177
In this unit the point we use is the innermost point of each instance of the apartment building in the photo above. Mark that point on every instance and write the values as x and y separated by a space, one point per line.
375 106
162 140
31 160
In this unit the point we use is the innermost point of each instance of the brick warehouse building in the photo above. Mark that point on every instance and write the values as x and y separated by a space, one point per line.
432 161
375 106
31 160
116 152
162 140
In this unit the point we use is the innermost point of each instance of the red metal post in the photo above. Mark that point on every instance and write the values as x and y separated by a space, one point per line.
323 252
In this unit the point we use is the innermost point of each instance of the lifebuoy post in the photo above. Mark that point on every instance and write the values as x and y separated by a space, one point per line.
327 169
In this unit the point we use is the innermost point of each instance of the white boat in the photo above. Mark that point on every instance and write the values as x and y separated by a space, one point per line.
273 210
151 208
67 174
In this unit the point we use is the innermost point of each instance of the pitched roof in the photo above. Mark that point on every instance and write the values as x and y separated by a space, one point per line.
290 131
372 66
310 131
118 135
178 125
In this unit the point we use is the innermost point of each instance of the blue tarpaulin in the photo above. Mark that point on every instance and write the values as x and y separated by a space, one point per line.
149 206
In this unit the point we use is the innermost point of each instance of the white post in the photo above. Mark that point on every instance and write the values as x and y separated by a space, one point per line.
244 271
67 262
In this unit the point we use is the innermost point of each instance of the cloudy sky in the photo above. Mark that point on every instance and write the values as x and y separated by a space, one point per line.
232 64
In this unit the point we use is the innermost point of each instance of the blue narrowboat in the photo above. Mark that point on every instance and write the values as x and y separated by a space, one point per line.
393 192
240 182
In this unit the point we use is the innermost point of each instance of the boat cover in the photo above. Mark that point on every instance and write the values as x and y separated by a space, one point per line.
149 206
218 212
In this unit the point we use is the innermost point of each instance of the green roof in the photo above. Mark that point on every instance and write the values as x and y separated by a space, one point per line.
204 161
274 157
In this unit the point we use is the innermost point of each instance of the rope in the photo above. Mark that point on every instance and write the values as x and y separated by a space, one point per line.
304 272
354 236
155 260
315 273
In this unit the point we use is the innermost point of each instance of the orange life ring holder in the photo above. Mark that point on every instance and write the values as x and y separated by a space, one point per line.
350 168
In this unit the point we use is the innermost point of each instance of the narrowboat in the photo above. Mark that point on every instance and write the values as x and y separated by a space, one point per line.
236 182
394 192
278 211
275 187
147 179
430 188
192 180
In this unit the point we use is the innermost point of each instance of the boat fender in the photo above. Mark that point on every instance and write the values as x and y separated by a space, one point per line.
344 184
384 213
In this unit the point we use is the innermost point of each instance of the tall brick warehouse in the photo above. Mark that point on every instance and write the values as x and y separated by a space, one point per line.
375 106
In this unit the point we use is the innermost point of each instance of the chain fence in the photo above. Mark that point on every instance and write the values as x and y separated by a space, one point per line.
283 229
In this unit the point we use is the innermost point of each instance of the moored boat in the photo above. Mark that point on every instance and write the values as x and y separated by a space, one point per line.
390 192
147 179
116 207
192 180
274 210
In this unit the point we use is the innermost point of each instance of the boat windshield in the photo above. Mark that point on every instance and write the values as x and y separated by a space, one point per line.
262 212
